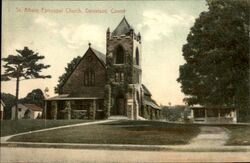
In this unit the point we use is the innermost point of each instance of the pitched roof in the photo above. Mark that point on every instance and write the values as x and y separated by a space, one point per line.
122 28
151 103
145 90
100 55
2 103
33 107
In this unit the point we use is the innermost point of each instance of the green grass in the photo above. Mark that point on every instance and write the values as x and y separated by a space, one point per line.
240 135
119 132
9 127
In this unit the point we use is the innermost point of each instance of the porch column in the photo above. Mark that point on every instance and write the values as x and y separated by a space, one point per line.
92 110
205 114
45 110
54 109
192 113
234 116
219 115
68 109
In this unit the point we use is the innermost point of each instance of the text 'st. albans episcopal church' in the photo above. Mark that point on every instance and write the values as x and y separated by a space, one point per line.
103 86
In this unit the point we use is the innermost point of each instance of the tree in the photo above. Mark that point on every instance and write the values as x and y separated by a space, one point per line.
36 97
23 66
68 70
9 101
216 71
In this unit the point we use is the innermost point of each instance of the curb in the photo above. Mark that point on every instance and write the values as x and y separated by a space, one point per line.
178 148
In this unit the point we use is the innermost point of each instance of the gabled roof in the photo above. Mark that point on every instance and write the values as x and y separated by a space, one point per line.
122 29
33 107
101 57
2 103
151 103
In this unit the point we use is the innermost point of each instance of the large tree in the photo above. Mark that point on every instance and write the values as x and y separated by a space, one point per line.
216 71
68 70
23 66
36 97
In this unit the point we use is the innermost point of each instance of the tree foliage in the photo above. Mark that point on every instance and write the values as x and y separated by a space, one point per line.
173 113
68 70
36 97
216 71
9 101
24 65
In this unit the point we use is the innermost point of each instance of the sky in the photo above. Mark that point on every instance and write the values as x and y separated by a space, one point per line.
61 30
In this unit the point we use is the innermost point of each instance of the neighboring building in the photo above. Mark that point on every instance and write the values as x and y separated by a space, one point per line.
213 114
27 111
2 110
105 85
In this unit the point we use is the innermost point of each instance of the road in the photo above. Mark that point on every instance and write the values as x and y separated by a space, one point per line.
42 155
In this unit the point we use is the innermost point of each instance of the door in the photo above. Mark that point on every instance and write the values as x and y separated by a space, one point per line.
120 108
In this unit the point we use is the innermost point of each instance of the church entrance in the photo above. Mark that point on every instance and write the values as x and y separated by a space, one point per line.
120 108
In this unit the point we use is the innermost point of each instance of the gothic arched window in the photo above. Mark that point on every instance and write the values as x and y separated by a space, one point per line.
89 77
119 55
137 59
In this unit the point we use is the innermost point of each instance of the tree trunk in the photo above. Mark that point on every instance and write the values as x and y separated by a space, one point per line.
17 93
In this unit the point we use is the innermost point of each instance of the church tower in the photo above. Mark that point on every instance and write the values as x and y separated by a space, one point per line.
123 61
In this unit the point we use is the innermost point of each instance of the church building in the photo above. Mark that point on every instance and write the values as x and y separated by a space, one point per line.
104 86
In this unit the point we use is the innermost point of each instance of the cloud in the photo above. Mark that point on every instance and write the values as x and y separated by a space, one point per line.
78 35
49 24
74 35
156 23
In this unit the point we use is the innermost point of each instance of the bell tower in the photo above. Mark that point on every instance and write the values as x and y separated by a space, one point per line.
123 61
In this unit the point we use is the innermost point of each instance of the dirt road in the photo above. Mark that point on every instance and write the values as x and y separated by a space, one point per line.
43 155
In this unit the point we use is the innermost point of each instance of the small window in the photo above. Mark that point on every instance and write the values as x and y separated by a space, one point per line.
137 59
122 77
19 109
119 77
89 78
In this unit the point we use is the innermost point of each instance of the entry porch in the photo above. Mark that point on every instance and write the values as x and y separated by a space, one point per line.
213 114
61 107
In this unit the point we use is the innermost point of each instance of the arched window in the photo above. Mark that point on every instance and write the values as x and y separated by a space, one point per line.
89 77
137 59
119 55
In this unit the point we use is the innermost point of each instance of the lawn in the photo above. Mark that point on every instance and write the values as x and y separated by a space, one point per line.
119 132
9 127
240 135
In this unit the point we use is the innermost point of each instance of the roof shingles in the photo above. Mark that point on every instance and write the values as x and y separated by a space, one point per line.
122 29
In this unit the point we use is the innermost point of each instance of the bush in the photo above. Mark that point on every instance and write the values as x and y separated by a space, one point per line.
174 113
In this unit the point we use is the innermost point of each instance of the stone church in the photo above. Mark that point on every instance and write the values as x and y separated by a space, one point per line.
104 86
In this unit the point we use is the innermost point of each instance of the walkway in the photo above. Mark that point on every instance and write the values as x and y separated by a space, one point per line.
210 136
5 138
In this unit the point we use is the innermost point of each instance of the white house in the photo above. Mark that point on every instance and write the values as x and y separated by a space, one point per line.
2 110
27 111
213 114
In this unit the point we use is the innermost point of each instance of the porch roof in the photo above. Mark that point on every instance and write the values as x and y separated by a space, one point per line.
68 97
152 104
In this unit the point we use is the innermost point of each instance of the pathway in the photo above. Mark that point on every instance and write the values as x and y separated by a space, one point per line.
210 136
5 138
